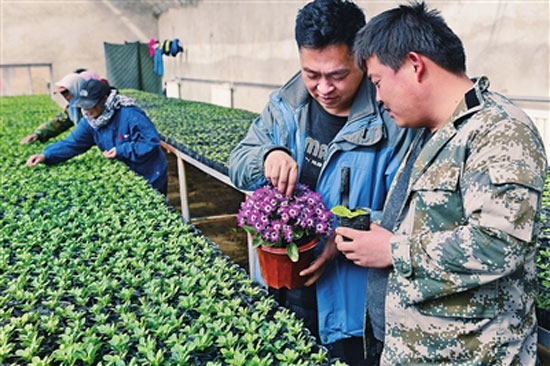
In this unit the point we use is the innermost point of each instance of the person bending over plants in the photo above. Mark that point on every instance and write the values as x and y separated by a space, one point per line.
68 87
119 128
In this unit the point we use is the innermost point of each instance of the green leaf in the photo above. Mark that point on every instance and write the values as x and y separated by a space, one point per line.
249 229
292 251
257 241
343 211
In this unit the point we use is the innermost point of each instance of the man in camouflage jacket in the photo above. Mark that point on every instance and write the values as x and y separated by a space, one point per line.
462 242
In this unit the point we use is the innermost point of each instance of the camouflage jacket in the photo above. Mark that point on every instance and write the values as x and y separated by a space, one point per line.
463 285
54 126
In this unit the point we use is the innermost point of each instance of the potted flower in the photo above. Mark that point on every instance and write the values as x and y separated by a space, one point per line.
284 230
358 218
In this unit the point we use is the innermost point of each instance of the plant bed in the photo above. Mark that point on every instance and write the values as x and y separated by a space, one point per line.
206 132
96 269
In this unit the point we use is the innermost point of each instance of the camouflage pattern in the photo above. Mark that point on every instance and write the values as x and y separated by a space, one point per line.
54 126
463 287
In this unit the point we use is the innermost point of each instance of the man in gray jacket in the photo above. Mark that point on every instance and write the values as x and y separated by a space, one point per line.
322 122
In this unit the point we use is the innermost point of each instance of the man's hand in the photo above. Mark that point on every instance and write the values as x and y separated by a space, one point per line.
317 268
366 248
110 154
29 139
35 160
282 171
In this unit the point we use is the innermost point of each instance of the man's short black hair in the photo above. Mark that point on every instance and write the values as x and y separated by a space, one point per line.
324 23
391 35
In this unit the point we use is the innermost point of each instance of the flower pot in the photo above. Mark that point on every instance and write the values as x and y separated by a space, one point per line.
277 268
360 222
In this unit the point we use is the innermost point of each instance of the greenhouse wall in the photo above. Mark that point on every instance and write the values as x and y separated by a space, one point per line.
254 42
70 34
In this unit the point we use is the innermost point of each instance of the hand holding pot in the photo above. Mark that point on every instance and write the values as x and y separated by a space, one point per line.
366 248
316 269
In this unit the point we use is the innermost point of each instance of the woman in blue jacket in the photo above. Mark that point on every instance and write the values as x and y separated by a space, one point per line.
118 127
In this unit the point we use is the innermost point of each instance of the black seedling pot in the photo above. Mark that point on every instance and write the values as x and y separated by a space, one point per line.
360 222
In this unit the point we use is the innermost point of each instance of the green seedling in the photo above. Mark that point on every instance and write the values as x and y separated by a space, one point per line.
343 211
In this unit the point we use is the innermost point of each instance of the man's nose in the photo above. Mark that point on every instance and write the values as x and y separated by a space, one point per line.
380 101
325 86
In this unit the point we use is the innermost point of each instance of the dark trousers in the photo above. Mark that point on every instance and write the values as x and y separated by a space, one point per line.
303 302
351 351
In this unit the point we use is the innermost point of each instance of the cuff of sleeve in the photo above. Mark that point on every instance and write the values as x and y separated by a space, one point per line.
274 148
376 216
47 155
400 250
122 150
42 137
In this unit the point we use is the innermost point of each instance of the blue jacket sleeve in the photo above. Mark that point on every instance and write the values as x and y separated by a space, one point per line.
246 161
142 138
78 142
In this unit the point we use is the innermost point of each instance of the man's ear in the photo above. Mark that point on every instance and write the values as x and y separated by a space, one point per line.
417 63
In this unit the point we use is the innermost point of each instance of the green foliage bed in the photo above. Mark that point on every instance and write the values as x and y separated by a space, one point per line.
204 131
95 269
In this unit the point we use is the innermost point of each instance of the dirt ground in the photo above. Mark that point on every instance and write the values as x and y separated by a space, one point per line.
209 197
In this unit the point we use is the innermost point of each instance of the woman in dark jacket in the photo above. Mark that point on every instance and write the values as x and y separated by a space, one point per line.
118 127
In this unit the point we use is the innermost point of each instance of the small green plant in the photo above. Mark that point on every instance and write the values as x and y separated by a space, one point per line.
343 211
95 269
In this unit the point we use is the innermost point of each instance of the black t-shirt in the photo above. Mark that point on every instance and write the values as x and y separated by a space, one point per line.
321 129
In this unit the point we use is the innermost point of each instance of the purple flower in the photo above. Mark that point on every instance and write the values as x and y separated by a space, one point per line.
274 216
321 228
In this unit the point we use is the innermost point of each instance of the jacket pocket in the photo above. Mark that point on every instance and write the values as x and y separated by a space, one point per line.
437 200
516 173
473 304
515 192
440 178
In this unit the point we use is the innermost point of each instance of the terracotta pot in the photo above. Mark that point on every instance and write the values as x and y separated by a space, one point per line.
277 268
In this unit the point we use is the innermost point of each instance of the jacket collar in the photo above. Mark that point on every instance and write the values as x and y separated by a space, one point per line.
471 103
295 94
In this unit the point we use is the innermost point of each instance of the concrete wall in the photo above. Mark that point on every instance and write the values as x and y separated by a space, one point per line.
70 34
254 42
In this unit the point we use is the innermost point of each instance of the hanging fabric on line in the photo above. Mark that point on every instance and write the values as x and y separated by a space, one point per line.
158 48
